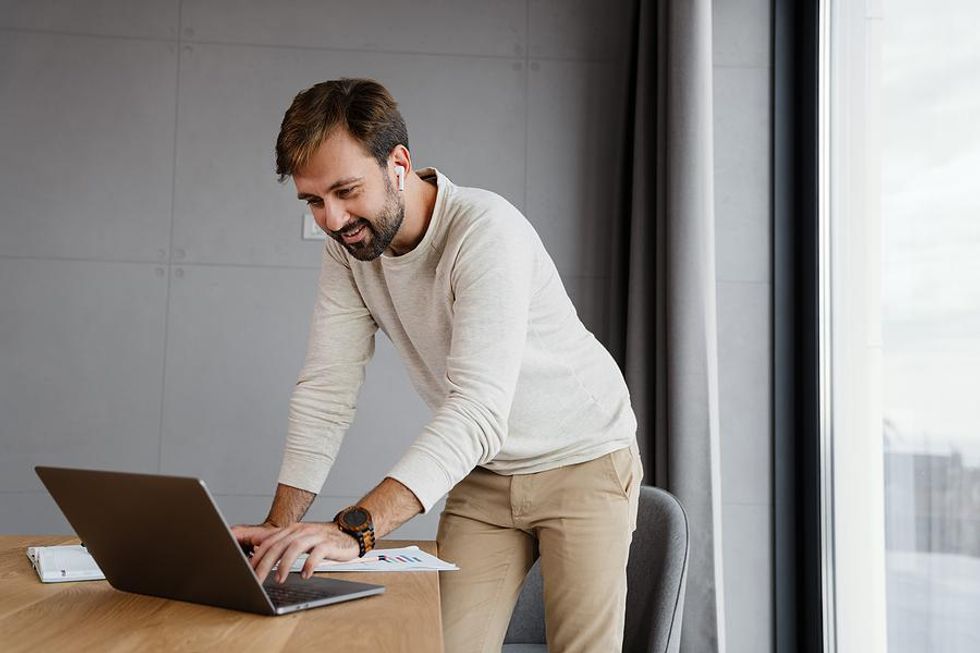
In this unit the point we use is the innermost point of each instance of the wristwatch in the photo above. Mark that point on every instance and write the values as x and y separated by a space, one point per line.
356 522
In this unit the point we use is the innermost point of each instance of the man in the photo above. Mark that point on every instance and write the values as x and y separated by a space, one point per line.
532 435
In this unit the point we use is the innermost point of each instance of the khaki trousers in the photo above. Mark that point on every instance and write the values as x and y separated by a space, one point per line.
579 519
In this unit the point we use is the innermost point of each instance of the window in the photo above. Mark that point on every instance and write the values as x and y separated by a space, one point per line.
900 323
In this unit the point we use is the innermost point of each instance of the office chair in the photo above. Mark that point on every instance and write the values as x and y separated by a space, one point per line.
656 577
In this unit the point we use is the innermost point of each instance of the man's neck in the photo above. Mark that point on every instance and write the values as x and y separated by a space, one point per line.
420 200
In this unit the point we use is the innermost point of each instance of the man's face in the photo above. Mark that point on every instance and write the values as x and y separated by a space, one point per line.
351 196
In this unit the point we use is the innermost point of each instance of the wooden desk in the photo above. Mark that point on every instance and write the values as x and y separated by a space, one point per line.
92 616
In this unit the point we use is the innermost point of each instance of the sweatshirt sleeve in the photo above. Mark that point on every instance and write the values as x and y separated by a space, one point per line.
341 342
491 283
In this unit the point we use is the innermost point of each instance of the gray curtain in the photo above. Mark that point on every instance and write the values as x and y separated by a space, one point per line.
664 326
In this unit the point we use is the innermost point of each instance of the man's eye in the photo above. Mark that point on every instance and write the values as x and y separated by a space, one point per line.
314 202
344 192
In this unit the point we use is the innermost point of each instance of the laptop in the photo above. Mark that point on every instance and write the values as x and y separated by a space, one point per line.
164 536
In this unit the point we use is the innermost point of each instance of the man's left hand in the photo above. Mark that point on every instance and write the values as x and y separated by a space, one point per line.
322 541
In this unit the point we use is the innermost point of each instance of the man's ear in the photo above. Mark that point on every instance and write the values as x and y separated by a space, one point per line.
400 156
401 159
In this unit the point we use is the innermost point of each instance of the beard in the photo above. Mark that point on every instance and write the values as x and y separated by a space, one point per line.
379 232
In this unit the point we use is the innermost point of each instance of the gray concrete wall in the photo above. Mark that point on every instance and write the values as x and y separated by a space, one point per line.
154 287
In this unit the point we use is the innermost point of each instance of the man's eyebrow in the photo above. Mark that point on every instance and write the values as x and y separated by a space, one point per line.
334 186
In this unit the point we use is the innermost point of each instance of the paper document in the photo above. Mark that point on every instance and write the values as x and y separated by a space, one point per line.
60 564
409 558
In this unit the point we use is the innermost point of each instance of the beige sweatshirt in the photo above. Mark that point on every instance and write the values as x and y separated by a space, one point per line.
492 343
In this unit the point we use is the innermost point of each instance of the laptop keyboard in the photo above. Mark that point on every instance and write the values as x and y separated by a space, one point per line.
281 595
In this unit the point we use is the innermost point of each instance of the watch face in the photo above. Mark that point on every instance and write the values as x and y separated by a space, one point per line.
356 518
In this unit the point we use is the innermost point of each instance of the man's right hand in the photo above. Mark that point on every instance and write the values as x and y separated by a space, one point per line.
250 536
288 507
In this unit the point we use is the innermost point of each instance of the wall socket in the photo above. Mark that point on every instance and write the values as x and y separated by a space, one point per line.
311 230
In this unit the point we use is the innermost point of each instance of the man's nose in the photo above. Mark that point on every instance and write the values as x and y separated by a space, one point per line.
333 217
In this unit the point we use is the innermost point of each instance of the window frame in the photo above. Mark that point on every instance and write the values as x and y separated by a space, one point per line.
801 579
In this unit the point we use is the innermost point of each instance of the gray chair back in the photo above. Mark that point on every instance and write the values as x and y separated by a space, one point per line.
656 578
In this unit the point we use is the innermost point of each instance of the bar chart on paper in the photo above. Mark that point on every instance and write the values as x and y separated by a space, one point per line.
409 558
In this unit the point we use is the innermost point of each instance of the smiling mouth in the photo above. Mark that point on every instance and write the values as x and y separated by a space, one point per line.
350 237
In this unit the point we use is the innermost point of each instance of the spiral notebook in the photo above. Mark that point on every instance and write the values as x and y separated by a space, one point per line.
60 564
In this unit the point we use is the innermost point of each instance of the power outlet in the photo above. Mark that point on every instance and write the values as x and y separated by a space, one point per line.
311 230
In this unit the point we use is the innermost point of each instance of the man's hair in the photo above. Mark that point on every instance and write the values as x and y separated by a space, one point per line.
363 107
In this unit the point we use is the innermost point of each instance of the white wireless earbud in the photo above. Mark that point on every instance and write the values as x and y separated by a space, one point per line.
400 173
